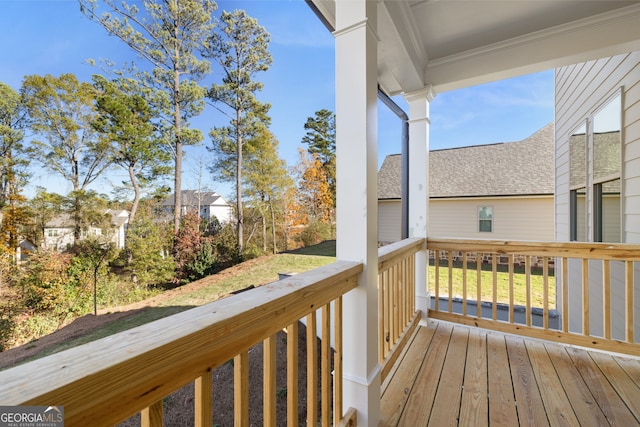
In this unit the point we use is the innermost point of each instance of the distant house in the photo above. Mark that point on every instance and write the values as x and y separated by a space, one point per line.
496 191
58 232
209 203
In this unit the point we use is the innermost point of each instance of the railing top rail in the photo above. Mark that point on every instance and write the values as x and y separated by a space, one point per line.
132 369
388 253
583 250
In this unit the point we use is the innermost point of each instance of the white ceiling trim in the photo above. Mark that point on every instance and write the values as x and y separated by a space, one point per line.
606 34
401 50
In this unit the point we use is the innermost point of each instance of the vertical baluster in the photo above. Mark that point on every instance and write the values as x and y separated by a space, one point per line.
292 374
527 268
606 297
203 411
450 277
436 264
412 286
396 302
325 365
269 381
511 301
387 313
381 296
565 294
479 284
402 276
464 283
241 389
585 297
152 415
494 269
337 361
415 282
629 300
312 370
545 293
407 292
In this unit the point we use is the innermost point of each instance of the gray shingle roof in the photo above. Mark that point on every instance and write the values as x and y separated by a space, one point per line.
506 169
64 220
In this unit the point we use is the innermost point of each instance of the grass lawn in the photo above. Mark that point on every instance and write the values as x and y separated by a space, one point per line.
486 285
257 274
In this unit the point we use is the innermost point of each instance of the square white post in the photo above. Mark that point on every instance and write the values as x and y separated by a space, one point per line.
419 186
357 210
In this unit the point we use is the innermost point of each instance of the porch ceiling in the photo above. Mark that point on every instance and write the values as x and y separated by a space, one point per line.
455 43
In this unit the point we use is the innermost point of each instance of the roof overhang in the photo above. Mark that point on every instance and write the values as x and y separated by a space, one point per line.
451 44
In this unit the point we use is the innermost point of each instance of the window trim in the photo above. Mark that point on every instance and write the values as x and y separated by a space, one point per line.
593 187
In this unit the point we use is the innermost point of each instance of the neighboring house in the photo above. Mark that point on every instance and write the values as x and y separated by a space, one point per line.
598 170
120 221
495 191
58 232
209 203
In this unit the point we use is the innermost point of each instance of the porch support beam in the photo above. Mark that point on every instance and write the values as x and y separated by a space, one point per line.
419 185
357 211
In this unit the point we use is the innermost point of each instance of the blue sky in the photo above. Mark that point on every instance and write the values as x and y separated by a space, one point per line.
52 37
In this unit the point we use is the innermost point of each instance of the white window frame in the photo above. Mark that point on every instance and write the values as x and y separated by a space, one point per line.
480 208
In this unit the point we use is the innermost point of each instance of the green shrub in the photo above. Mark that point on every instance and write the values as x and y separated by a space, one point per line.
315 232
149 261
46 281
204 262
7 324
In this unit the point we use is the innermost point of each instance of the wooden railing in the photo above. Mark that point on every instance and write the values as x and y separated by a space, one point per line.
597 313
107 381
397 314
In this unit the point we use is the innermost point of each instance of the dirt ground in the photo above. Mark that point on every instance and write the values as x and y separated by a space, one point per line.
179 406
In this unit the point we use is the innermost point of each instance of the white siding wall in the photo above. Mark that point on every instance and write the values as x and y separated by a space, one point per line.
224 213
514 218
389 221
580 90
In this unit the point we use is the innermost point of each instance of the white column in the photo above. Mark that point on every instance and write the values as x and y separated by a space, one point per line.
357 210
419 186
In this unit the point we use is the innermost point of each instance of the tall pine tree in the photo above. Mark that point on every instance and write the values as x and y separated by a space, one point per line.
168 36
127 121
241 47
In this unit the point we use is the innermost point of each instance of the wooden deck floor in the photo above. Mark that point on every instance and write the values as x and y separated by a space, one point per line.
456 375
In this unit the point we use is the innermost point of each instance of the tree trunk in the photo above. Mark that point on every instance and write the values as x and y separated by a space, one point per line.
239 188
273 227
77 230
264 232
177 182
136 194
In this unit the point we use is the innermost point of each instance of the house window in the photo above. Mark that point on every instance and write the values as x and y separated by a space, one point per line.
485 219
595 176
